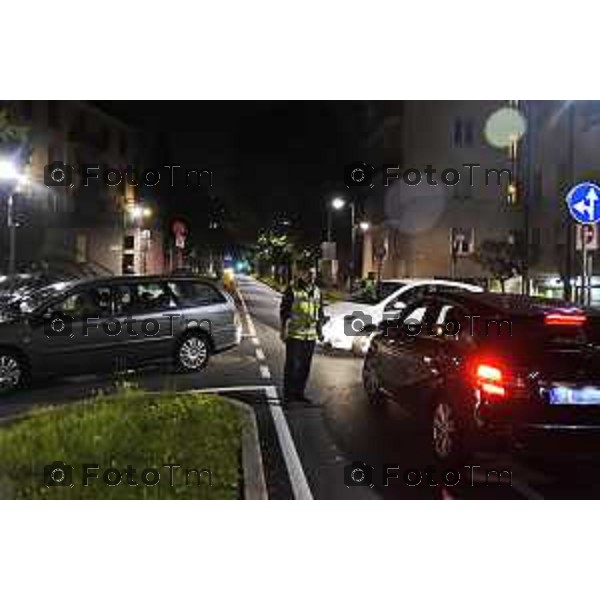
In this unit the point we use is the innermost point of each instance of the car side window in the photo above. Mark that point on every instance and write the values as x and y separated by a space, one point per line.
153 296
124 299
410 322
193 293
94 302
416 315
453 324
143 297
414 294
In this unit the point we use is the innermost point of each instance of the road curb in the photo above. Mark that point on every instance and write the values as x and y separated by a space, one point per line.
255 487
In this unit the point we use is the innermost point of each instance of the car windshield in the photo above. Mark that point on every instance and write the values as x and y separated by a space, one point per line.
33 299
367 295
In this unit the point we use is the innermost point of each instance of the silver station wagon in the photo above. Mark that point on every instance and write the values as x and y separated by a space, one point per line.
112 324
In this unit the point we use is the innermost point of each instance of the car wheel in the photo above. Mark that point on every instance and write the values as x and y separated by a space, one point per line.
192 353
12 371
449 434
371 382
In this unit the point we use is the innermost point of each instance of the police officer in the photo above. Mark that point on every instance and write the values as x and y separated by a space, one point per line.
301 319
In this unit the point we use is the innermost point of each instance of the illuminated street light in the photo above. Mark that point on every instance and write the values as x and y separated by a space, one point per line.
338 203
10 173
364 226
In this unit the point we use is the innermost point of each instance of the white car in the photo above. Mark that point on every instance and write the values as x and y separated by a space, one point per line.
345 320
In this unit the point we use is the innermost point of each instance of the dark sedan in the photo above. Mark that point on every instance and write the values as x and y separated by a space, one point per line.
475 366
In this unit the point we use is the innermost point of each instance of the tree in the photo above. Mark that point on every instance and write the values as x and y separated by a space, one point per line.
503 259
11 133
275 250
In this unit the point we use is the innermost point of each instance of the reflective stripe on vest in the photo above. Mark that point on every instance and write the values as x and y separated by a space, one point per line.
304 315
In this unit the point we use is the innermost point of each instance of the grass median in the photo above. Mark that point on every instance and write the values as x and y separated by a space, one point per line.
117 433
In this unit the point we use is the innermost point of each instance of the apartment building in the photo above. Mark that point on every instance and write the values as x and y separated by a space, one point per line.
89 227
424 230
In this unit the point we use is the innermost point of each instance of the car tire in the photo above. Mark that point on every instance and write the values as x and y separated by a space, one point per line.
371 384
451 436
13 371
192 353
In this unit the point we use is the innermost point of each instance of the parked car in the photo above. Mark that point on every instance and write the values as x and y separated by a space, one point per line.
345 321
523 369
114 323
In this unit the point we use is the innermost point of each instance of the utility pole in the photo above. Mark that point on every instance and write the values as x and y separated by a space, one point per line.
12 236
353 247
527 173
571 176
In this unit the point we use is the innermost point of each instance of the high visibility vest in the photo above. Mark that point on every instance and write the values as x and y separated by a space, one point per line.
304 315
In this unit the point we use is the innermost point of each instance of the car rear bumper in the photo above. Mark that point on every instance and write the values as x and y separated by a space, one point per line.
550 440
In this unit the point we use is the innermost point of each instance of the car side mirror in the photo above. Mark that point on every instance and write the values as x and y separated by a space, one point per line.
399 305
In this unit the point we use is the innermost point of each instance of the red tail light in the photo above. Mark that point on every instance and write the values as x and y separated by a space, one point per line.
490 379
564 319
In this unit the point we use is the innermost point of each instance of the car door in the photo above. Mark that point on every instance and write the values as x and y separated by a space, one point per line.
441 352
66 336
202 305
396 347
147 313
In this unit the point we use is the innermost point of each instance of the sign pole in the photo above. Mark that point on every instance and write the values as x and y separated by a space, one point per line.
590 269
583 230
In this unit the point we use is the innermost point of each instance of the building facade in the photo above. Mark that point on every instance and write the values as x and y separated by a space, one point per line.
88 227
436 230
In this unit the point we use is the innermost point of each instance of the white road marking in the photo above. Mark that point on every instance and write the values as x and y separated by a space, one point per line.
292 461
298 480
260 355
249 323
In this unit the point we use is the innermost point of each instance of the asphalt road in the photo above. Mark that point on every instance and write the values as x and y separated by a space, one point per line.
306 450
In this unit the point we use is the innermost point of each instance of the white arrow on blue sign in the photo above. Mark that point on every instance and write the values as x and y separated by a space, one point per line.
583 201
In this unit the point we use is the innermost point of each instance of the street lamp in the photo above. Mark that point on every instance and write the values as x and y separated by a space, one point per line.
338 204
10 175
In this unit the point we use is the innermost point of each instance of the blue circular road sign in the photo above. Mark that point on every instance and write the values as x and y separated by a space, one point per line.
583 201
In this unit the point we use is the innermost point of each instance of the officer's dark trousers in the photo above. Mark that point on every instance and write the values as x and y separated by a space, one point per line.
298 356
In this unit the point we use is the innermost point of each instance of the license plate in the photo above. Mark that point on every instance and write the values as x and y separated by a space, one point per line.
564 395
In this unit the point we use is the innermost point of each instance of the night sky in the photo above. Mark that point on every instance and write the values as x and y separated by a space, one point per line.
269 158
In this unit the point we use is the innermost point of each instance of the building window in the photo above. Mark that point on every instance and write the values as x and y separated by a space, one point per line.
468 131
81 248
129 242
457 135
463 133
